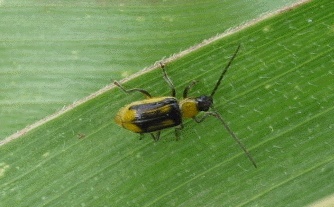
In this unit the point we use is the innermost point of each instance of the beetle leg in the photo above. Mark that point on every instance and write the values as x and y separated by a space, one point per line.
199 120
141 137
167 79
185 92
178 131
147 94
156 136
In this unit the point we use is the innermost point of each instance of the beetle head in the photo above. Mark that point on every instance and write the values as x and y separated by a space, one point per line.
204 103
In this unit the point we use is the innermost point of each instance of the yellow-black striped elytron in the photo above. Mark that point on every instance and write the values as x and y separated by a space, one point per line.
157 113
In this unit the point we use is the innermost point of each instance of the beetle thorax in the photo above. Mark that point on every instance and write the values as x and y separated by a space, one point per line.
190 107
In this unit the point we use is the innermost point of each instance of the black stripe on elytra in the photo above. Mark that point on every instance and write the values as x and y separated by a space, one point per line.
150 117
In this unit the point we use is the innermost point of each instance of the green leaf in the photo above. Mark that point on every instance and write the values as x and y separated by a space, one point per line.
277 97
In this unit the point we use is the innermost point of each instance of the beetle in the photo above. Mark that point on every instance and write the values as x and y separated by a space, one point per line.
157 113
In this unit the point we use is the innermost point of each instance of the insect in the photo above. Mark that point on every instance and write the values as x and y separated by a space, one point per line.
157 113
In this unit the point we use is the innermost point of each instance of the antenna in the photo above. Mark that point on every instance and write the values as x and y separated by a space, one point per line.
224 71
242 146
